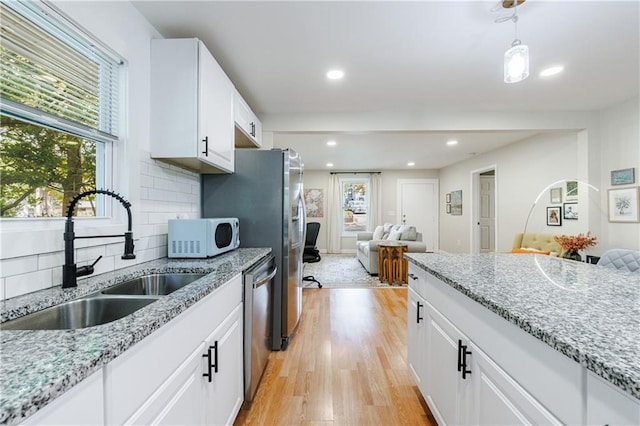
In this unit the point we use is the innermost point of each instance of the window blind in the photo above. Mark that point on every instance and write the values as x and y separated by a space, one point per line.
51 74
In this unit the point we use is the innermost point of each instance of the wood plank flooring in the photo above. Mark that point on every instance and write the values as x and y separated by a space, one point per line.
346 365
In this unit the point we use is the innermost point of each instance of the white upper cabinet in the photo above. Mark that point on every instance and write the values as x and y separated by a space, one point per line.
192 107
248 132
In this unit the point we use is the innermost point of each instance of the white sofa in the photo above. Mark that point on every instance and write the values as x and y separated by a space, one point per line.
367 243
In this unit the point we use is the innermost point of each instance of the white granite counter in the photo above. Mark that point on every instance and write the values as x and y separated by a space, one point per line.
36 366
589 313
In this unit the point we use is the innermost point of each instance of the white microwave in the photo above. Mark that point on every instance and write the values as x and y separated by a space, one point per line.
200 238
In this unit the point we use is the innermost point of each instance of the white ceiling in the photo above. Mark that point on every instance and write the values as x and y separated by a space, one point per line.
409 56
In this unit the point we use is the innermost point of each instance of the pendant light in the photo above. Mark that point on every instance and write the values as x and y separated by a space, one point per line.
516 58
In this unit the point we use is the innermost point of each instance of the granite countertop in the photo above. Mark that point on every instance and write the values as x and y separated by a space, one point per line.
588 313
36 366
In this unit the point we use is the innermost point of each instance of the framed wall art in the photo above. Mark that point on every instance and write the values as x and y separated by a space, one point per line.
448 208
570 211
447 198
554 216
314 201
623 177
556 195
623 205
456 202
571 192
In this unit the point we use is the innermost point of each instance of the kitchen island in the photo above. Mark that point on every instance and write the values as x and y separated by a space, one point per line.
38 366
514 307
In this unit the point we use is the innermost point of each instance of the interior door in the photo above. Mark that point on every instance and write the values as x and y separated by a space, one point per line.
487 219
418 206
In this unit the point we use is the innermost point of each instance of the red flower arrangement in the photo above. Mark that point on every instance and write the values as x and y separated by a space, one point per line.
576 242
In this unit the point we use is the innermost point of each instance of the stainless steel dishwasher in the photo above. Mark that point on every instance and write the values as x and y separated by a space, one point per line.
258 284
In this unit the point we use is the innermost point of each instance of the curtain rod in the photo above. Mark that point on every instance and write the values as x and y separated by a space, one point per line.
355 173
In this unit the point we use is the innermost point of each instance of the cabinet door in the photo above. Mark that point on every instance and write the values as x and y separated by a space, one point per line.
180 400
445 388
498 400
215 112
607 404
225 392
416 338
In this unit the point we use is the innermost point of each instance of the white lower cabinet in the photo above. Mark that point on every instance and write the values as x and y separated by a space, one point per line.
164 379
224 393
607 405
416 338
81 405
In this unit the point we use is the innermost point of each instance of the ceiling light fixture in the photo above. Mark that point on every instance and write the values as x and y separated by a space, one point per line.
329 164
331 143
411 164
335 74
452 142
516 58
548 72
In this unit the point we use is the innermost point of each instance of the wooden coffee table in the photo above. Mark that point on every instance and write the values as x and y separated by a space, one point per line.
392 266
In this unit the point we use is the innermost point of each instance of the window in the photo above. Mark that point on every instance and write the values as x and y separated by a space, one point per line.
355 204
58 111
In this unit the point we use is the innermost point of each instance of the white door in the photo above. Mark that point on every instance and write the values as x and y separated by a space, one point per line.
487 219
418 206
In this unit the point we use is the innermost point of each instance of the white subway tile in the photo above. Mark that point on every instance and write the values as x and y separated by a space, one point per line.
27 283
89 254
2 296
50 260
18 265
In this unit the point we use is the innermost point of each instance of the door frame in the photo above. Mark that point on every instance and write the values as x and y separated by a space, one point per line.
436 213
474 246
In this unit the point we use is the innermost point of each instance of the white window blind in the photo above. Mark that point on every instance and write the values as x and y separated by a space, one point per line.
51 74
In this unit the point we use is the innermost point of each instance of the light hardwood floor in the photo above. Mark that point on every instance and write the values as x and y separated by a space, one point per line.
346 365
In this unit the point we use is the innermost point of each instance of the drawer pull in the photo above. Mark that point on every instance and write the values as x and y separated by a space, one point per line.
211 368
418 317
413 277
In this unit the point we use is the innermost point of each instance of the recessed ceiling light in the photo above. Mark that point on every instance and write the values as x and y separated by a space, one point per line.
331 143
329 164
551 71
452 142
335 74
411 164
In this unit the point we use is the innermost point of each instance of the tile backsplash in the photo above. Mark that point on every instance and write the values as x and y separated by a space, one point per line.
165 192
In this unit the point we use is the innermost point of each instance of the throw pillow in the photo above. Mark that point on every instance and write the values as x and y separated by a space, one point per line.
394 235
387 227
378 232
409 234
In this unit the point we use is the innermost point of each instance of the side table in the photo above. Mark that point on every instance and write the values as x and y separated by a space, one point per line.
392 266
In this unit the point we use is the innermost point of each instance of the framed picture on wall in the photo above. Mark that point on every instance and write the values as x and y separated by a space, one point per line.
623 177
570 211
554 216
572 190
623 205
556 195
456 202
448 208
447 198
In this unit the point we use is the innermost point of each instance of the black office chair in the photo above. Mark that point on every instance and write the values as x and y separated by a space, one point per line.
311 254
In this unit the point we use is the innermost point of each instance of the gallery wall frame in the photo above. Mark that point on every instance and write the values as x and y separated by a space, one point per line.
449 208
623 177
570 211
456 203
623 204
555 195
571 193
554 216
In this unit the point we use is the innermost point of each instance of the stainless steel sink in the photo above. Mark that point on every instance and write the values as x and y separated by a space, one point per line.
153 285
81 313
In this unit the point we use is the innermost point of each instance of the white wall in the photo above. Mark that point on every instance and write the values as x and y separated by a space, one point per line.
611 142
619 149
31 255
320 179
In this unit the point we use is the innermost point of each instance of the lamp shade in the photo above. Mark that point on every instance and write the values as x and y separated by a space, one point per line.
516 63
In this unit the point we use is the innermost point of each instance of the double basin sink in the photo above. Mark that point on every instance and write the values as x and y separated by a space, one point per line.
102 307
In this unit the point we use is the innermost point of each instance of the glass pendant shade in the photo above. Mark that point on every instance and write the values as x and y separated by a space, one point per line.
516 63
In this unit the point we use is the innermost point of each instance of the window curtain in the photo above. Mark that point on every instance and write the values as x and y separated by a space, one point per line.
334 215
375 201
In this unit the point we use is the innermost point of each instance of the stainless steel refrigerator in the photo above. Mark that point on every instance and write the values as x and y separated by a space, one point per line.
265 194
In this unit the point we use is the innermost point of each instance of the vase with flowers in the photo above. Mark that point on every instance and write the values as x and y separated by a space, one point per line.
572 244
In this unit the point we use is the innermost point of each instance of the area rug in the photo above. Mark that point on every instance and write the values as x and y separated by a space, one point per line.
342 271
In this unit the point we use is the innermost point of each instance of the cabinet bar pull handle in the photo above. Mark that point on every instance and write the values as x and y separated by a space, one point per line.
418 317
459 355
208 356
413 277
465 352
206 145
215 356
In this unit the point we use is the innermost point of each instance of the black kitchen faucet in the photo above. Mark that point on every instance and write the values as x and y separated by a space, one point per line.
70 272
